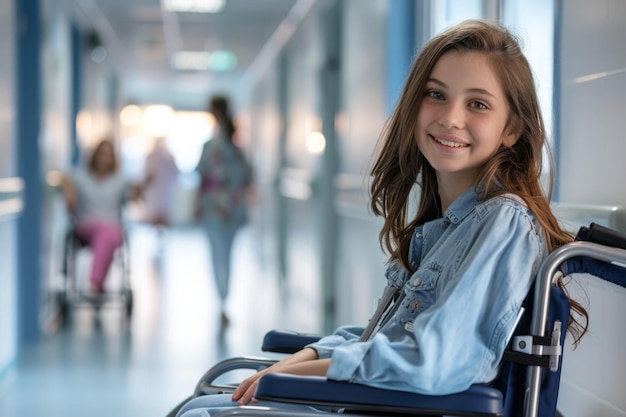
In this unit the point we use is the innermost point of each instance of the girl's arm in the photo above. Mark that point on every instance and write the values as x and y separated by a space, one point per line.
245 391
317 367
69 193
312 360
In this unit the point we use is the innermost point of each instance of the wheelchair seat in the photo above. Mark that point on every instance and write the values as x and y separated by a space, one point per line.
478 400
70 294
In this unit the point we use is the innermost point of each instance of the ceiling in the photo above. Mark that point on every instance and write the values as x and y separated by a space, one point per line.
141 39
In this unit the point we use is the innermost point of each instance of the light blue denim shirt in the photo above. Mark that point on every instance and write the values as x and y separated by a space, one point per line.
474 267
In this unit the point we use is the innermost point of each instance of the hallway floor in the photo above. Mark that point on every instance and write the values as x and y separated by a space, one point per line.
103 365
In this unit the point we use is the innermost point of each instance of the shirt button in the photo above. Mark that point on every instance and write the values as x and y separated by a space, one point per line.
417 281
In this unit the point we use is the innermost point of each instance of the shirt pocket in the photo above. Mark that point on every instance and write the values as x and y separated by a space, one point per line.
419 294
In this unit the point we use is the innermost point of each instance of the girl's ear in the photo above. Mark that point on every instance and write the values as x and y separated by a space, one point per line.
509 139
512 132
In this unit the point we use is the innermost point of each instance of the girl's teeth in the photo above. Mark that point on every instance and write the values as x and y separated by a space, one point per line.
450 143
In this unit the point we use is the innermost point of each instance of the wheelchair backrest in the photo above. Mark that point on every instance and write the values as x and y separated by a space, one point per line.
513 375
601 253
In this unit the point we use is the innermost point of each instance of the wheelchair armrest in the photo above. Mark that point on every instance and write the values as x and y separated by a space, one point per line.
285 341
206 385
478 400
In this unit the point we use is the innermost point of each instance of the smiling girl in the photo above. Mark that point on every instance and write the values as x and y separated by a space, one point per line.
468 131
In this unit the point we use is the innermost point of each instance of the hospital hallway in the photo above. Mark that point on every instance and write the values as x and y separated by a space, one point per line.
109 368
322 99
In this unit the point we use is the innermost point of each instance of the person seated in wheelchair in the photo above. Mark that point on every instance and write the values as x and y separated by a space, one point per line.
468 130
94 195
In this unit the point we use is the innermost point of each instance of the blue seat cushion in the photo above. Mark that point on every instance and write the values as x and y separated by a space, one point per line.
478 400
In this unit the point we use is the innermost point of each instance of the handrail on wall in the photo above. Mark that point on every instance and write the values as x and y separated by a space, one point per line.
11 200
574 215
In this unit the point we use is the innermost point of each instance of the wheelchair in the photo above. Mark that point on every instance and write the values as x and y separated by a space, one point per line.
70 295
529 377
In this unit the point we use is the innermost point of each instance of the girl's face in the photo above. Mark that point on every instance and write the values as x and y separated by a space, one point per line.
104 159
462 120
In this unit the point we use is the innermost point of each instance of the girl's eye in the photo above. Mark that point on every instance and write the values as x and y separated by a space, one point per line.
435 94
478 105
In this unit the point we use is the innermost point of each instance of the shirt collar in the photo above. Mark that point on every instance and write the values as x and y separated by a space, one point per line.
462 206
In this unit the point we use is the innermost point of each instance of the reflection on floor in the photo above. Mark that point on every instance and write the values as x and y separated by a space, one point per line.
105 366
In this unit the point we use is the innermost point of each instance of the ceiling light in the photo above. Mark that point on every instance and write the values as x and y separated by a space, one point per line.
130 116
194 6
202 60
315 143
191 60
223 61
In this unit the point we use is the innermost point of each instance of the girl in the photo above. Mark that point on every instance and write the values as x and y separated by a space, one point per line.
95 195
468 130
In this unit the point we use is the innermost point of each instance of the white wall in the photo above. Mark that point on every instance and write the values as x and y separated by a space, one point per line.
360 261
594 374
360 264
593 102
592 171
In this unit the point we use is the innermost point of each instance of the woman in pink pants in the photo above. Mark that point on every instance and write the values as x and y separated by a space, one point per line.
95 195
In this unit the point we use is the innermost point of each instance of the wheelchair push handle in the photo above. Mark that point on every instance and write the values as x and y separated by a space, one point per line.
603 235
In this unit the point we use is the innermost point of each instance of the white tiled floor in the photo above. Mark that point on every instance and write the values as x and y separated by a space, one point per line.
143 368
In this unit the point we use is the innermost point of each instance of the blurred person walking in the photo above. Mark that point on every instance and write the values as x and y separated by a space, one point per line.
161 175
225 179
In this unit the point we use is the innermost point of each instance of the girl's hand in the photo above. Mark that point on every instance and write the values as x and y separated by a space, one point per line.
244 393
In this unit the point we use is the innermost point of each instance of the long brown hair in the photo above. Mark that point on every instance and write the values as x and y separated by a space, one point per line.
93 159
400 165
219 106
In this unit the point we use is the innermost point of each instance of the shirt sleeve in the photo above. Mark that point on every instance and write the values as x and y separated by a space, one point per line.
460 339
326 345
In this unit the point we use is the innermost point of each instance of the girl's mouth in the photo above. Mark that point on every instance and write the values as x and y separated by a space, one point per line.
449 143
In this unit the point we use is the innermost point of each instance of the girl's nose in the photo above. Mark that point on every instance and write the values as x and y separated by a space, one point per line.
451 116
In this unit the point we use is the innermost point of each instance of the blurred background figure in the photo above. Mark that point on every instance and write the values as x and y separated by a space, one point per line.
95 195
225 178
161 174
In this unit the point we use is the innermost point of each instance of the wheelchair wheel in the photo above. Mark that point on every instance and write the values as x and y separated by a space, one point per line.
73 293
129 304
63 308
68 291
